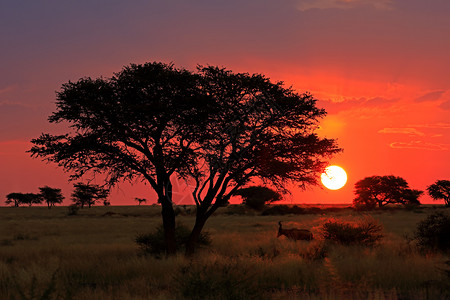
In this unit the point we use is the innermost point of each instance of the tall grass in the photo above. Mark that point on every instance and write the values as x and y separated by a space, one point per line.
49 255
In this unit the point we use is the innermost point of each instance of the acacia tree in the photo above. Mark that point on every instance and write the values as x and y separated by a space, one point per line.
382 190
440 190
88 194
15 198
142 122
257 196
51 196
213 127
256 129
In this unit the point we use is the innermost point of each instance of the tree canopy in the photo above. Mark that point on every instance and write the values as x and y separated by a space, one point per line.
440 190
382 190
23 198
215 128
257 196
51 195
88 194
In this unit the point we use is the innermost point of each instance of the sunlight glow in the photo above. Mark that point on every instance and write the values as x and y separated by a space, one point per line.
334 177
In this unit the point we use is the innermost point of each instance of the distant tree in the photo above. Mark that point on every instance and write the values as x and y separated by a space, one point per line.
140 200
31 198
382 190
440 190
106 202
257 196
51 195
88 194
15 198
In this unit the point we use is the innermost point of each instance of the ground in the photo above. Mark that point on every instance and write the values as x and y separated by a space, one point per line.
47 254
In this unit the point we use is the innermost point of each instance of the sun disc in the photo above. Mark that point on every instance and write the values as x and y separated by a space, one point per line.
334 177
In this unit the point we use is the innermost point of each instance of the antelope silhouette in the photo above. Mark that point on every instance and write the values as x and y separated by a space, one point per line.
295 234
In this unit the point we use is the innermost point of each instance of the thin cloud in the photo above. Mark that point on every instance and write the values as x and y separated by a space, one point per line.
445 105
405 130
435 125
431 96
357 103
418 145
304 5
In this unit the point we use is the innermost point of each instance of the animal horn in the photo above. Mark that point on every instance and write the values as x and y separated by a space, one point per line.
279 223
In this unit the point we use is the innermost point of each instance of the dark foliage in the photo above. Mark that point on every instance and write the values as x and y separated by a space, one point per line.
433 233
379 191
366 232
153 243
88 194
51 196
258 196
283 210
20 198
440 190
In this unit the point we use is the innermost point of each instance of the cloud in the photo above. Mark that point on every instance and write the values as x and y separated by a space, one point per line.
304 5
435 125
431 96
357 103
404 130
445 105
418 145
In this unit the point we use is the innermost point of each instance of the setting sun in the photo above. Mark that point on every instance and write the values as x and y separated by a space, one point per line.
334 177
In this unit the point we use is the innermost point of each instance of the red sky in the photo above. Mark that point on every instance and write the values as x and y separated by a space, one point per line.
380 68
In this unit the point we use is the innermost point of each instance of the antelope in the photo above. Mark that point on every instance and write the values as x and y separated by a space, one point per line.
295 234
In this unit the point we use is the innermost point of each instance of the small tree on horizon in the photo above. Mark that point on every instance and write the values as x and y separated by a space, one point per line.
140 200
14 198
440 190
379 191
88 194
258 196
51 196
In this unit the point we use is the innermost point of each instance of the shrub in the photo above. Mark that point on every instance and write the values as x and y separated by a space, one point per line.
434 232
153 243
366 232
283 210
73 210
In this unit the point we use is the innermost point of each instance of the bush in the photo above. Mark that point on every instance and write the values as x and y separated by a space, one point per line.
434 232
283 210
73 210
257 196
366 232
153 243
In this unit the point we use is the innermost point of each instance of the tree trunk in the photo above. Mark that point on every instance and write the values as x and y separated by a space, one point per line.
195 234
168 216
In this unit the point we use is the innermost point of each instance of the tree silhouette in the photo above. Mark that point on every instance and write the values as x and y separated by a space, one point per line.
382 190
88 194
257 196
440 190
142 122
51 196
140 200
15 198
213 127
256 129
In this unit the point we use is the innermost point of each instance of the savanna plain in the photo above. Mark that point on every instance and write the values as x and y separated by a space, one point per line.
49 254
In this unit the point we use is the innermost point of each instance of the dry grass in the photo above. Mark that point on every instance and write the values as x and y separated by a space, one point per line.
45 254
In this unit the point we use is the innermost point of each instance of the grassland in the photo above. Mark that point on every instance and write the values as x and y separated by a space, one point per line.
46 254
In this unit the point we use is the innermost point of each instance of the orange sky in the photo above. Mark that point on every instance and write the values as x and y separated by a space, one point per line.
380 68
